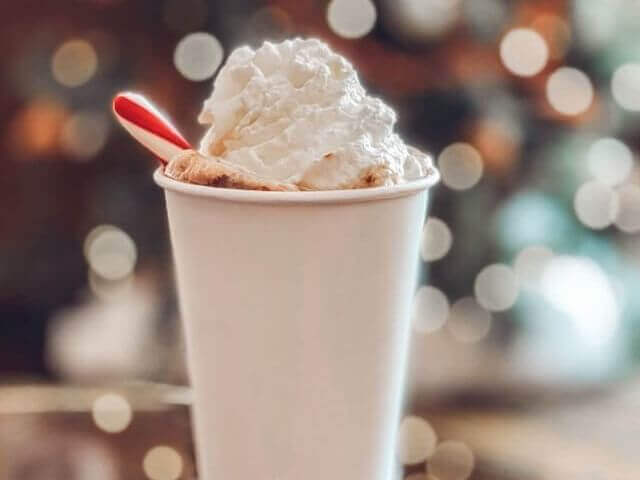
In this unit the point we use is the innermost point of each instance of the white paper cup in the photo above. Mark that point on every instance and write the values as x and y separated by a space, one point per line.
296 313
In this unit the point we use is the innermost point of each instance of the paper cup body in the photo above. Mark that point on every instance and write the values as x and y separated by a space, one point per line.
296 310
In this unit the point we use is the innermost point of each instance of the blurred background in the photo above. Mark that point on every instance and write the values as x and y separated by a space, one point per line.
527 321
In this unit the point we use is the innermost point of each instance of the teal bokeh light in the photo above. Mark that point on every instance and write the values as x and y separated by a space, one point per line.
532 218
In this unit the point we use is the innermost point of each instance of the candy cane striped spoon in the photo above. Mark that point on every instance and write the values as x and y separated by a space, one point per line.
147 125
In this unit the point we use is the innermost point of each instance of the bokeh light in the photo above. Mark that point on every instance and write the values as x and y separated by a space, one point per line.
436 240
162 463
36 128
198 55
548 221
430 309
451 461
496 287
530 263
88 458
524 52
416 440
596 22
111 412
609 160
625 86
85 134
579 288
110 252
556 33
468 322
628 213
74 63
498 137
423 19
109 290
460 166
569 91
185 15
596 204
351 18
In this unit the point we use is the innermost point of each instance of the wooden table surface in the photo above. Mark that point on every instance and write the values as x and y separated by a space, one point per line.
48 432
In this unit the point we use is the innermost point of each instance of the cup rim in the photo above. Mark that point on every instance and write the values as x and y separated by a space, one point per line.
312 196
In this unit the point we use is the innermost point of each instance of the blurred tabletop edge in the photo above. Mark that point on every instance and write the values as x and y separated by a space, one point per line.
591 439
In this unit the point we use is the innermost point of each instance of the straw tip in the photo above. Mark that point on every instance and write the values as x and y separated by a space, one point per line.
120 100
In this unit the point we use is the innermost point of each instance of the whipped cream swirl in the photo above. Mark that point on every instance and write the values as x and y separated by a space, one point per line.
295 115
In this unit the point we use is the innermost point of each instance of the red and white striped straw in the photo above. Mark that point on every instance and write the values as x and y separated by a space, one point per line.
143 121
